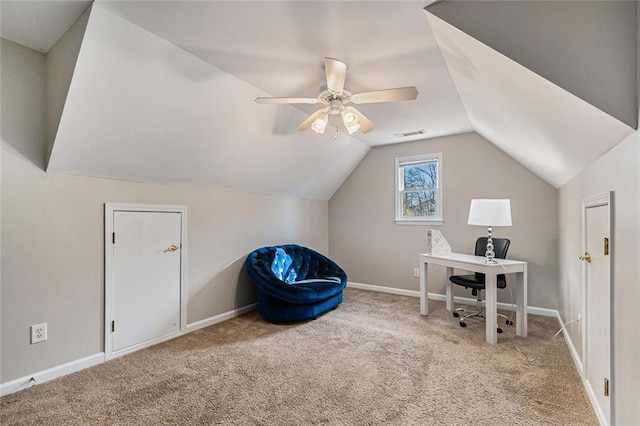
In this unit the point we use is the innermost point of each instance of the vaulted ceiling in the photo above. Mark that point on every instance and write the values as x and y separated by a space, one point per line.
163 91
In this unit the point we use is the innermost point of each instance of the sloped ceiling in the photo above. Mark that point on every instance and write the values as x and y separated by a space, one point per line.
141 109
163 92
38 24
587 48
278 46
547 129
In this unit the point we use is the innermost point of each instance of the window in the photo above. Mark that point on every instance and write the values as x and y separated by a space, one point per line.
419 189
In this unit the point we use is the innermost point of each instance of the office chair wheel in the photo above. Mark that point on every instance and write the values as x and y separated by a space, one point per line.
509 322
499 330
463 324
455 314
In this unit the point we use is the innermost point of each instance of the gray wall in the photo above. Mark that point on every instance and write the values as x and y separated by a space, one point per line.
61 63
617 171
364 239
52 235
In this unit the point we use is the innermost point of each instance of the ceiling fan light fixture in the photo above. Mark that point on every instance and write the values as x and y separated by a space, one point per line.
320 123
351 121
350 118
353 128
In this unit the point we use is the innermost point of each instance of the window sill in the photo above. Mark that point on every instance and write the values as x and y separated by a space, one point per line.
430 222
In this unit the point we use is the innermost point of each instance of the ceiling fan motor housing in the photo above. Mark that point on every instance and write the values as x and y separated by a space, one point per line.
328 97
335 107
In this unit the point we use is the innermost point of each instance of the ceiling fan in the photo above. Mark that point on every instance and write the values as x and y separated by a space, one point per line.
336 98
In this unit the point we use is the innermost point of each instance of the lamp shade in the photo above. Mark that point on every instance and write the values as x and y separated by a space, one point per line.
489 212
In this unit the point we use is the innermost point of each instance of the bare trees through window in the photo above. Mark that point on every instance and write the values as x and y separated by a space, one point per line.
418 190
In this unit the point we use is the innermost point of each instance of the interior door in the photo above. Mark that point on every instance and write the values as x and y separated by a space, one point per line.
598 307
145 277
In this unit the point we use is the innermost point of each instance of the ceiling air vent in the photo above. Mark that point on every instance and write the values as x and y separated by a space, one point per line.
408 134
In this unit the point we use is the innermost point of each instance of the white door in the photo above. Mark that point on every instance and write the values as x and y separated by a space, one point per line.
145 278
598 309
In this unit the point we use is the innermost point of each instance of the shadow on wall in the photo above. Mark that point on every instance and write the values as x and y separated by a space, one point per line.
226 291
17 137
32 153
23 103
245 290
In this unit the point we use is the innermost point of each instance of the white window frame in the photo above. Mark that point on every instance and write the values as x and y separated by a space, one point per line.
437 219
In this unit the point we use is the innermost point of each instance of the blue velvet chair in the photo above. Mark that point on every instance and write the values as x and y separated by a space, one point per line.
294 283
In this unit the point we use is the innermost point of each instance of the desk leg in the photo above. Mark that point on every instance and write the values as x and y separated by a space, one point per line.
449 303
424 300
521 303
491 307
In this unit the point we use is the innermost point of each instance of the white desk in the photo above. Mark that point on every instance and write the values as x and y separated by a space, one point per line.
476 264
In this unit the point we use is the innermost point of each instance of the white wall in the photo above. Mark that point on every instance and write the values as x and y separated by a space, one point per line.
618 171
374 250
52 235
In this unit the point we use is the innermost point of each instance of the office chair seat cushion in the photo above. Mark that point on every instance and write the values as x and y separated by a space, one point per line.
476 281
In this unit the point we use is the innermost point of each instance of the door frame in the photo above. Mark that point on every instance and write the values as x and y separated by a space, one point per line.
605 199
109 210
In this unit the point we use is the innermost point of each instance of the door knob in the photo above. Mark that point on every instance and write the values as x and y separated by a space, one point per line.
174 247
586 257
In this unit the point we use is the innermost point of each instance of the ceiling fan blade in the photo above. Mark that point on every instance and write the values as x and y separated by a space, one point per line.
265 100
309 121
388 95
366 125
336 72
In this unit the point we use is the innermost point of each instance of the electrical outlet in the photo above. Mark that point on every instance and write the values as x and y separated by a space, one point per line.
579 324
38 333
416 272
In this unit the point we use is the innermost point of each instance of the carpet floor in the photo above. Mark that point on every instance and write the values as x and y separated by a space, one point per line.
373 361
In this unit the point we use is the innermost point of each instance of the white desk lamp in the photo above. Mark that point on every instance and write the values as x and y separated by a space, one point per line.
487 212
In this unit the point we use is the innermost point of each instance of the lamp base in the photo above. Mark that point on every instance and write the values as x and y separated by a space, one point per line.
489 254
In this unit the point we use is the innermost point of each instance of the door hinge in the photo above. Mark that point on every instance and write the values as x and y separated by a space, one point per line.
606 387
606 246
113 238
113 326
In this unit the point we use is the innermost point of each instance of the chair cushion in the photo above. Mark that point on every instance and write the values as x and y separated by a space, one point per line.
334 280
476 281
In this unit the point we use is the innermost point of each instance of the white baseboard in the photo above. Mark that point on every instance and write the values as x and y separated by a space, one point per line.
572 349
143 345
381 289
441 297
580 367
591 393
50 374
219 318
80 364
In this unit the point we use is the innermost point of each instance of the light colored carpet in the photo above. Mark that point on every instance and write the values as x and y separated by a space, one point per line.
373 361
